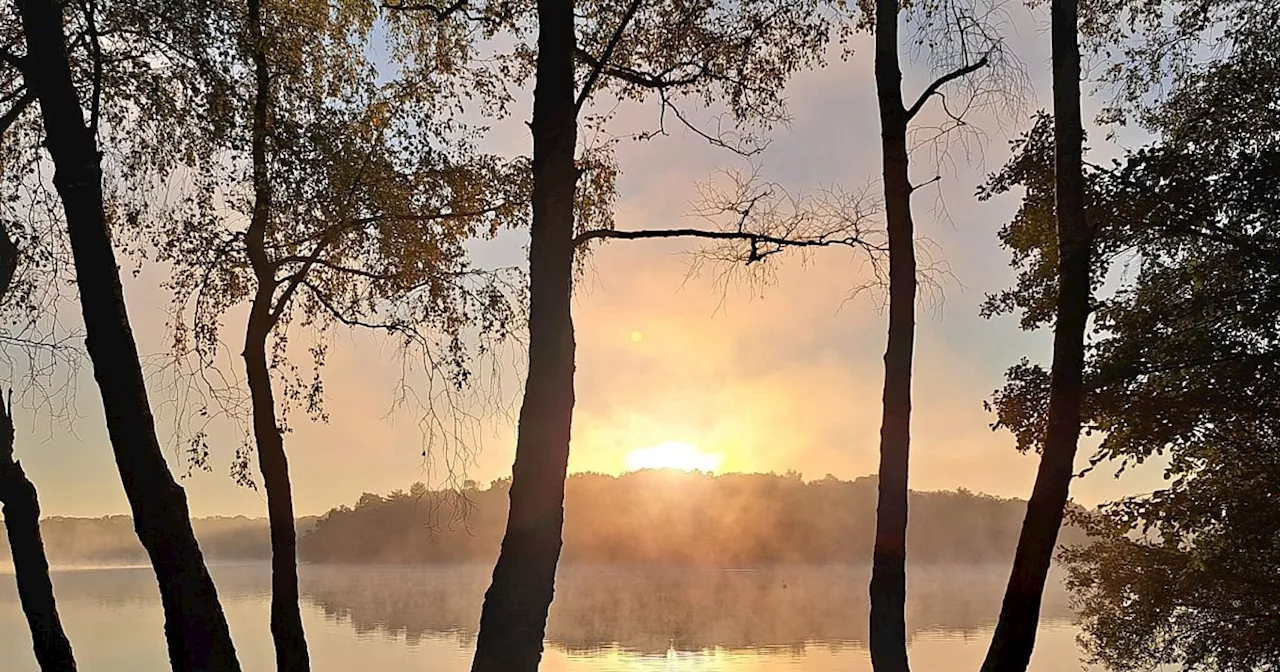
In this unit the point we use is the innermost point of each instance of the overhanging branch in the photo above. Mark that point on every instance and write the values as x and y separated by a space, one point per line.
942 81
756 240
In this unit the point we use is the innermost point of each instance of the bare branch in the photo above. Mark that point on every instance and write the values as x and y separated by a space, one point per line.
943 81
755 239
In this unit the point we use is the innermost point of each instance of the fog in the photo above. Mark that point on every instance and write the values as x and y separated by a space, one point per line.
645 611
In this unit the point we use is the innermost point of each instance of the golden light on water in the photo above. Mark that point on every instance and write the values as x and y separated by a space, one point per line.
678 455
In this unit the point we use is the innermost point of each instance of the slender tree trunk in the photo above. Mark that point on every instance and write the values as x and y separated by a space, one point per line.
30 567
513 621
195 626
1015 633
286 614
888 640
22 524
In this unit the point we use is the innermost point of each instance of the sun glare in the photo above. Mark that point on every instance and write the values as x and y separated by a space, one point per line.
677 455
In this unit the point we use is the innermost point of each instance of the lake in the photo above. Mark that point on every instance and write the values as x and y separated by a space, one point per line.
604 619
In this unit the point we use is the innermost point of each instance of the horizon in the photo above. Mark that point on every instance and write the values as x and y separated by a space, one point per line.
485 486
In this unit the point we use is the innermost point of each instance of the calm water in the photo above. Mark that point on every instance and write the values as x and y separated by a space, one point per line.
416 618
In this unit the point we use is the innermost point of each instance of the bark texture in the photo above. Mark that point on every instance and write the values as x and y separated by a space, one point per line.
195 626
888 637
286 613
1015 634
513 621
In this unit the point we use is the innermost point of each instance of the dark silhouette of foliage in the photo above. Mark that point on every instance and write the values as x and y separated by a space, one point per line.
1180 367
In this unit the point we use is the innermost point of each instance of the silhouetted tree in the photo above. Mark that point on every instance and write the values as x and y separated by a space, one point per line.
963 46
22 522
195 626
1182 358
1174 363
1014 637
358 197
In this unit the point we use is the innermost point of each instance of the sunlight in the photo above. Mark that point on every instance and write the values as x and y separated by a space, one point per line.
677 455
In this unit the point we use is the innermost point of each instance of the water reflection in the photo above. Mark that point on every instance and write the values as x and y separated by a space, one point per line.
653 611
599 613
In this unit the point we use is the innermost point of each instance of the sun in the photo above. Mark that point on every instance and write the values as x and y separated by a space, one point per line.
678 455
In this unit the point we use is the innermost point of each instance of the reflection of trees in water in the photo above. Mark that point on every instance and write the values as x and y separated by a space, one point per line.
116 587
652 610
643 610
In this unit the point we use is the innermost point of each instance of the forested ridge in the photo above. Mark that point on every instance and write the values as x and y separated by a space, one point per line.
645 518
667 517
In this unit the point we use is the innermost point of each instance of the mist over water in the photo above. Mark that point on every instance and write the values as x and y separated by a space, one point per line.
603 618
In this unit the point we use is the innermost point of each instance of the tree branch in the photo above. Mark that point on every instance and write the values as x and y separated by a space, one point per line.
943 81
632 76
440 14
600 64
14 60
310 261
430 217
16 111
755 239
342 317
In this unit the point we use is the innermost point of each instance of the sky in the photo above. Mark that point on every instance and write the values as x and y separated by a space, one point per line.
775 376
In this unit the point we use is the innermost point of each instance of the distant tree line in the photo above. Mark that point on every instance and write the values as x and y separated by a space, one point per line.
664 517
110 540
646 517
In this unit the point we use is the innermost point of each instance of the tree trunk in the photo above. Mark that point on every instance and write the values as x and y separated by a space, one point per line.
195 627
286 615
1015 633
888 639
30 567
513 621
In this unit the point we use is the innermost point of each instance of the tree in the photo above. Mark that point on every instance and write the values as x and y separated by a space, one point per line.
22 522
195 627
1175 361
1015 633
1181 365
717 52
962 47
359 198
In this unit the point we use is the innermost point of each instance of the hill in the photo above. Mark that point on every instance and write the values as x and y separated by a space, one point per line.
640 518
663 517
